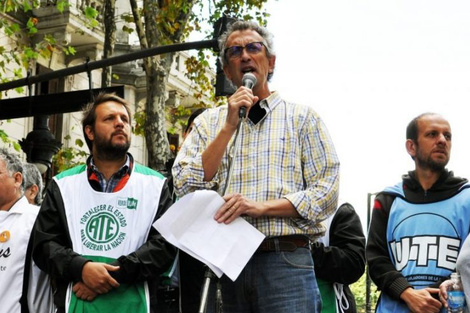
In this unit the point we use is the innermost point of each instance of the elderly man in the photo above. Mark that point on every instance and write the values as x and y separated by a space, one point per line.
33 185
23 286
284 182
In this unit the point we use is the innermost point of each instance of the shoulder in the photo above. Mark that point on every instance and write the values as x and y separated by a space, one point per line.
346 213
383 201
25 209
210 119
346 209
71 172
295 109
300 116
147 171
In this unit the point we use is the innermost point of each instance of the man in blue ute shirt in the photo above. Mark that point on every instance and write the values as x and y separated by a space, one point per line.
419 225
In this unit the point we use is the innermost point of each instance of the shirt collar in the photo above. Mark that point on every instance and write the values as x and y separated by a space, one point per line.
126 167
271 102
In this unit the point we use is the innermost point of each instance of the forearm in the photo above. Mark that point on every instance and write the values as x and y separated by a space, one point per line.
381 268
154 257
319 200
320 171
148 262
279 208
215 151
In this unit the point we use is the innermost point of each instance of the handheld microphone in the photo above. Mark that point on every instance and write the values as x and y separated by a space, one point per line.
249 81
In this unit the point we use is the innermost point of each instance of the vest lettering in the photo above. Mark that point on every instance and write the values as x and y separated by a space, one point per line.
5 253
424 249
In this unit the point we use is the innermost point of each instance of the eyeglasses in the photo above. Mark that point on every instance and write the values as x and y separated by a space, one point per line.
236 51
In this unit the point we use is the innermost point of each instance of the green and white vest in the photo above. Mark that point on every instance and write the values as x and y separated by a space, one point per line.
105 226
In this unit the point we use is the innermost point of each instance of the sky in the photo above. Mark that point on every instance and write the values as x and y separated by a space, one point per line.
370 67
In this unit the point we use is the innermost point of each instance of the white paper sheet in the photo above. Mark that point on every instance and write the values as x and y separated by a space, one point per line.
189 225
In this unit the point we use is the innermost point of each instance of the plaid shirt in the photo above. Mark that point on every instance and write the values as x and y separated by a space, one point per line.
115 183
288 154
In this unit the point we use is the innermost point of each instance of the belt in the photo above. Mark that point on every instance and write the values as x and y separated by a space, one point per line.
284 243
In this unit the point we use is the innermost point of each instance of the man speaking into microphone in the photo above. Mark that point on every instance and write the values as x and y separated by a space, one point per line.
284 178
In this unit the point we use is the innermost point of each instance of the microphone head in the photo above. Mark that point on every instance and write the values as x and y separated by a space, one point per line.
249 80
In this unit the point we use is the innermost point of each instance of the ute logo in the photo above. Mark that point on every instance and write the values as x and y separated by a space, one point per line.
423 249
102 228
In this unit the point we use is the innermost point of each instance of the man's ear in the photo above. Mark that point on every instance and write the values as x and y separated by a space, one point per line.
411 147
18 178
89 132
34 190
272 64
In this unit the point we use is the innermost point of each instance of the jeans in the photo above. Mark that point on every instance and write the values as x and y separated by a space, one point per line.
271 282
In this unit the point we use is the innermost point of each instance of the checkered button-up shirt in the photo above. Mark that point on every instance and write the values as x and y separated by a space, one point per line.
287 154
115 182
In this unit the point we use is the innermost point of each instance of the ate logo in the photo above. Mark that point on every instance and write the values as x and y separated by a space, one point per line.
102 228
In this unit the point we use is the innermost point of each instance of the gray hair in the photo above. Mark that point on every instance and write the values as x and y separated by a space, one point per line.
246 25
12 163
31 177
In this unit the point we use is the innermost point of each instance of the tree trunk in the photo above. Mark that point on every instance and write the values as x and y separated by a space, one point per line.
109 39
155 129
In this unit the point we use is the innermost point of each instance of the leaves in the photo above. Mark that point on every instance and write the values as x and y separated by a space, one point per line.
359 291
7 140
166 22
68 157
26 46
61 5
91 14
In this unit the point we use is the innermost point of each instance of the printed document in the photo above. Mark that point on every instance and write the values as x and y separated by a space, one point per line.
189 225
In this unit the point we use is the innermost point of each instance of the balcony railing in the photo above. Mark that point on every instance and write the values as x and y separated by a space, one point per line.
78 5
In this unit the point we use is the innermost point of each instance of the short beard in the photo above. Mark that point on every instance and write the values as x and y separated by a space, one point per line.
113 153
105 150
431 165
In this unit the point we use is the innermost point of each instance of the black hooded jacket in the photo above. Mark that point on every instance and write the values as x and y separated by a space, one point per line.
381 268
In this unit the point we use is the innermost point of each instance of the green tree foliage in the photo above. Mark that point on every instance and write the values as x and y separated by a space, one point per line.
359 290
7 140
167 22
156 23
69 156
18 23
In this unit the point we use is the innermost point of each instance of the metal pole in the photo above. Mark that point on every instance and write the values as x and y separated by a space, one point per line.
89 66
209 274
368 279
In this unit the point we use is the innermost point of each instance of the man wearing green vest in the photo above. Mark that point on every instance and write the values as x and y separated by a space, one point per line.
94 232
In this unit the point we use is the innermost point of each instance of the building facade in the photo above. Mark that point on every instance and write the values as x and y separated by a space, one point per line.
69 28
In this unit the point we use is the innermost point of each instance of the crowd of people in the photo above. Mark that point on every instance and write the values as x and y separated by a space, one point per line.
91 247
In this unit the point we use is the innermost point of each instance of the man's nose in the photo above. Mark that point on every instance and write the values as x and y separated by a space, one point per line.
245 55
119 122
442 139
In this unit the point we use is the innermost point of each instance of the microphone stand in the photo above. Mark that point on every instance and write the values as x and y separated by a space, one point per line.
209 275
